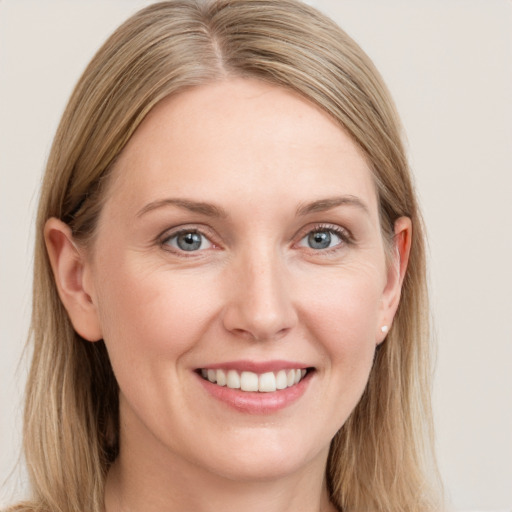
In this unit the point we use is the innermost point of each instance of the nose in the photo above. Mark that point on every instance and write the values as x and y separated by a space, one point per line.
259 306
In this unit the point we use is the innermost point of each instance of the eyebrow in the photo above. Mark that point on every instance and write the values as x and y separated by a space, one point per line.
194 206
323 205
212 210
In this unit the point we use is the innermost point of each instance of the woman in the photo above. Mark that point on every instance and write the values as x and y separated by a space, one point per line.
229 296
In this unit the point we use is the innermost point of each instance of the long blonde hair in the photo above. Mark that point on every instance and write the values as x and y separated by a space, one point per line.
382 458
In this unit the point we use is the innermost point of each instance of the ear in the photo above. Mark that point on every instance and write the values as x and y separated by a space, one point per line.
395 275
69 269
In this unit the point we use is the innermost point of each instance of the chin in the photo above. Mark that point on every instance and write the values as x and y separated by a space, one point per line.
266 460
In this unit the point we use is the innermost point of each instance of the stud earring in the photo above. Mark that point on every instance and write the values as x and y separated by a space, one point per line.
384 329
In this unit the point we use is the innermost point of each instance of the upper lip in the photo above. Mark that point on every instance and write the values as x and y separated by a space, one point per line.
257 366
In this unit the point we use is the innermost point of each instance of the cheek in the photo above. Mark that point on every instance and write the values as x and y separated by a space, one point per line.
148 314
345 306
342 316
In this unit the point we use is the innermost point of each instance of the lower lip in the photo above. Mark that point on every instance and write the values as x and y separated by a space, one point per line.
257 402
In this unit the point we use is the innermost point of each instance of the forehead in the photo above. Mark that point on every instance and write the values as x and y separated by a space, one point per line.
244 135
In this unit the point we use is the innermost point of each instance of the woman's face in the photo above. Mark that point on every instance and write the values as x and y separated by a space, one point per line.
240 241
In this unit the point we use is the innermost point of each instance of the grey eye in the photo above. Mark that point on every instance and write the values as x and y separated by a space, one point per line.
321 239
189 241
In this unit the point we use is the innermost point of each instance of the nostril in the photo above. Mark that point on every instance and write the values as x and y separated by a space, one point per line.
260 335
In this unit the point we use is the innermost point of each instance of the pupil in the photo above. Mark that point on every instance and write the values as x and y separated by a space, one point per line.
189 241
319 240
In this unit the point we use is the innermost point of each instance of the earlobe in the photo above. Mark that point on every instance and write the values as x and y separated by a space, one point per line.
396 272
68 265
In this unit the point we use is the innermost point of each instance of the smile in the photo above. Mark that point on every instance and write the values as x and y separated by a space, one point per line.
267 382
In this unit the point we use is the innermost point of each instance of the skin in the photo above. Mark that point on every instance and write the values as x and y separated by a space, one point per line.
255 291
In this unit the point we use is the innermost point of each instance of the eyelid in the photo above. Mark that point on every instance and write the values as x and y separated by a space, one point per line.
202 230
343 233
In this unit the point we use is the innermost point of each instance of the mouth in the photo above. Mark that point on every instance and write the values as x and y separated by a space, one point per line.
268 382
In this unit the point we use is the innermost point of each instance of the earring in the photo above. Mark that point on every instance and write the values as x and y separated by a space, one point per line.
384 329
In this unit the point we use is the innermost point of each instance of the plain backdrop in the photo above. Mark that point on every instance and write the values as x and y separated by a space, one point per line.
448 64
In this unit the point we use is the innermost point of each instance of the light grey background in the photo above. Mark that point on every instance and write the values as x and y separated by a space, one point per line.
449 66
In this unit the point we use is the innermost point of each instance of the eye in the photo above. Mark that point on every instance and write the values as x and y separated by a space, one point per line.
189 241
324 238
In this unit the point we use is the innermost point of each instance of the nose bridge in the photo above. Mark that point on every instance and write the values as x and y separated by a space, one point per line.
260 306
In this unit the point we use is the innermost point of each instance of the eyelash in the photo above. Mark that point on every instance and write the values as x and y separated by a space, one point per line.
342 233
167 237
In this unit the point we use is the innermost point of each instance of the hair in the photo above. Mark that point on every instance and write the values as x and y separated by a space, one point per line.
382 458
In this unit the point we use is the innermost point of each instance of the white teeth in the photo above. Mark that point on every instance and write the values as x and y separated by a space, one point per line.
281 380
233 379
221 377
267 382
249 381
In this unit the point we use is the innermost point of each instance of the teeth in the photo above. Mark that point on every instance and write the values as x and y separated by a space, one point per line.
221 377
267 382
233 379
249 381
281 380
